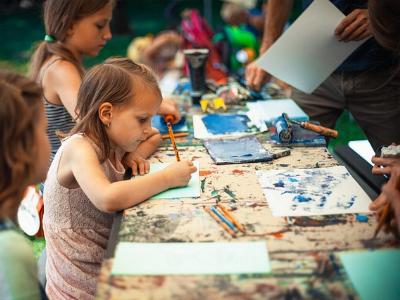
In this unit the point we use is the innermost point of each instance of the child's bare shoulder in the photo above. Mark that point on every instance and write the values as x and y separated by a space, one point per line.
80 147
61 70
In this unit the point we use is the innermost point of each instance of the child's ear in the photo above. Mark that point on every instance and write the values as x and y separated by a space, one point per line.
71 30
105 113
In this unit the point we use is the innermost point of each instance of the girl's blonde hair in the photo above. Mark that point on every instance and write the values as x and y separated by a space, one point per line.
112 81
59 16
20 109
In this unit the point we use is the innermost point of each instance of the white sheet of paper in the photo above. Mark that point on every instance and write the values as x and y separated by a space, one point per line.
200 130
364 149
308 192
308 52
268 110
191 258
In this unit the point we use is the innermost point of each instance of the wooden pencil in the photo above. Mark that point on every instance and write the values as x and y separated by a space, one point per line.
215 217
171 136
231 218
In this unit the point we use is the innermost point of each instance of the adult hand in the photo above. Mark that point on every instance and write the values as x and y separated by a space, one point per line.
391 191
354 27
256 77
384 165
170 107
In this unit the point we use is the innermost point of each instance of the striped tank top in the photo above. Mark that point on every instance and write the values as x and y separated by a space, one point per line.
58 118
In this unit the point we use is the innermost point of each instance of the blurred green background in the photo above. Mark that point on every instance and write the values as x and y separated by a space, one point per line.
22 28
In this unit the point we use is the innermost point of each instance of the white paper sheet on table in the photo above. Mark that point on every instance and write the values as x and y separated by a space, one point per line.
364 149
200 130
191 258
308 52
267 111
308 192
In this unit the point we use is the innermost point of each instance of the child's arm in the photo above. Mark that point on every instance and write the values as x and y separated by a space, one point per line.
81 159
150 145
170 107
64 80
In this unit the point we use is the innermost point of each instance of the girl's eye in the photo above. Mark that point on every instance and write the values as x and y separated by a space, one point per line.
100 26
142 120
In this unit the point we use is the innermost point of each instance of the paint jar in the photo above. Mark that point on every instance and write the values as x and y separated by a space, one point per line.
197 59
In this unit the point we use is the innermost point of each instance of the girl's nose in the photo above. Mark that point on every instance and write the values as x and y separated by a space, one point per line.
107 34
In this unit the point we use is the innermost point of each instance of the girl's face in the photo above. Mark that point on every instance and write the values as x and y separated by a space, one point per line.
42 158
89 35
131 122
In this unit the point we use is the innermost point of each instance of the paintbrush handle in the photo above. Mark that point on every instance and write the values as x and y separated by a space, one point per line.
176 135
231 218
383 219
320 129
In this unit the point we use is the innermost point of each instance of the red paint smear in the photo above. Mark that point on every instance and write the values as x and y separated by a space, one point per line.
278 235
238 172
205 172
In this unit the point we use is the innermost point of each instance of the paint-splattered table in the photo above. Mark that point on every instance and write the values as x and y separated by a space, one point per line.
301 249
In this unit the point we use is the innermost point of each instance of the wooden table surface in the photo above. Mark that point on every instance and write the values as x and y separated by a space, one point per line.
301 250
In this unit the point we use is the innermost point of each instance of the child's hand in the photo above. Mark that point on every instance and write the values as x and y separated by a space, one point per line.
179 173
138 164
384 165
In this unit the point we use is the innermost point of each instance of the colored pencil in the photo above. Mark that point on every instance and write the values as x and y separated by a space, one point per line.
223 219
171 136
215 217
176 135
231 218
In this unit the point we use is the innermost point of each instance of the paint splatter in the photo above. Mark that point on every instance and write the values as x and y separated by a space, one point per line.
229 192
301 198
203 182
362 218
237 172
280 183
205 172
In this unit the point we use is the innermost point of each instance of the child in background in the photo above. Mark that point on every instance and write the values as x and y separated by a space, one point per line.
57 64
24 159
84 186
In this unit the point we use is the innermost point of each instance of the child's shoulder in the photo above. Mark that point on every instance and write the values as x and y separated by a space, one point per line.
58 69
87 148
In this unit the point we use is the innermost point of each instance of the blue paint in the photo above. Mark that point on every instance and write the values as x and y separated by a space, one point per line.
351 202
301 198
280 183
159 123
292 179
239 150
223 124
362 218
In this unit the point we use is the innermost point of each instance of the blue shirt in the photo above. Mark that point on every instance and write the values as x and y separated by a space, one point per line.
370 54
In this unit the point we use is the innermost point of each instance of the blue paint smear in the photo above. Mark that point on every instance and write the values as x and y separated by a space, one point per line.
280 183
301 198
223 124
362 218
292 179
159 123
239 150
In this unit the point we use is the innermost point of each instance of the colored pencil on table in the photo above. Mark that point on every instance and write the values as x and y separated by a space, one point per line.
215 217
223 219
231 218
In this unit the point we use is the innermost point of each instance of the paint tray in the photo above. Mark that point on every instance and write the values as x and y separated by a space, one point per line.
238 150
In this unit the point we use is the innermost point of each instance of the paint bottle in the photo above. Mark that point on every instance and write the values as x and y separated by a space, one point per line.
197 59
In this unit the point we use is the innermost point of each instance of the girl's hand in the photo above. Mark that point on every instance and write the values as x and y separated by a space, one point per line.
138 164
384 165
179 173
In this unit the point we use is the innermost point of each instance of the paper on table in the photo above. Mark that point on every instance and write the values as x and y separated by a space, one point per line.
308 192
191 258
308 52
192 190
267 111
375 274
364 149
